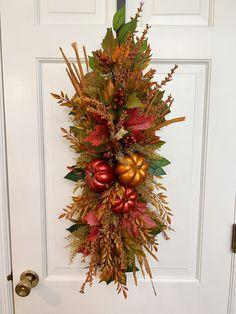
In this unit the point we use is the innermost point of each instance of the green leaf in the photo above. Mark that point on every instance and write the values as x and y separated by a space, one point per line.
133 102
144 45
129 27
71 113
155 168
130 268
162 162
107 281
157 171
159 144
91 62
75 227
109 42
155 231
75 175
119 18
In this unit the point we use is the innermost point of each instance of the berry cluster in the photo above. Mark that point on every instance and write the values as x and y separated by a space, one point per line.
129 140
103 58
108 155
119 98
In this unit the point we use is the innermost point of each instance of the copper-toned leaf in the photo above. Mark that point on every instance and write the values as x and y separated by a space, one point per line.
61 216
56 96
109 43
108 90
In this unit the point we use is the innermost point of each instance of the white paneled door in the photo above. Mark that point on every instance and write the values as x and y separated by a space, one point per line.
194 274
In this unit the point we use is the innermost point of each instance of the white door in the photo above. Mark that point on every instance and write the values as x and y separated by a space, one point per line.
194 273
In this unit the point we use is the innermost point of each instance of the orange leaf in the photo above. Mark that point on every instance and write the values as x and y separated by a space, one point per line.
61 216
116 53
108 90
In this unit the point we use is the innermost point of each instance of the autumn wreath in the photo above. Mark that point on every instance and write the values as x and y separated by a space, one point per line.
116 112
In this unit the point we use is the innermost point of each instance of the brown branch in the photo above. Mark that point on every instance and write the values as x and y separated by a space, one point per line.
150 252
168 78
71 74
74 82
180 119
134 273
169 100
148 269
76 71
86 58
75 47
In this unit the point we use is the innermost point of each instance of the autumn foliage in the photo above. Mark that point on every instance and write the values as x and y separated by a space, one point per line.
119 206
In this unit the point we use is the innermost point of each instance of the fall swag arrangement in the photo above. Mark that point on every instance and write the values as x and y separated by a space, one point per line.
116 113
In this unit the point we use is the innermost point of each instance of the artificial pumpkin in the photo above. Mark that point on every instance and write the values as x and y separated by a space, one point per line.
132 170
126 203
99 175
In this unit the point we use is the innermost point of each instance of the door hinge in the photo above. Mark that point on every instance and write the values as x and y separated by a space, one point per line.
234 238
10 277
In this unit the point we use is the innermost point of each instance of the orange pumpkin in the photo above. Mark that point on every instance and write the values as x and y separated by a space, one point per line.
132 170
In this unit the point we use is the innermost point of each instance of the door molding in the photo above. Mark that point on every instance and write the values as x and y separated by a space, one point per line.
232 287
120 3
6 291
232 284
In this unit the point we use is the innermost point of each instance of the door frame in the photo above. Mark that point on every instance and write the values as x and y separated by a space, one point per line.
232 285
6 288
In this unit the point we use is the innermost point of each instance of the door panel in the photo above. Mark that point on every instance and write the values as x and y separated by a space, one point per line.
179 12
56 154
178 34
72 12
193 275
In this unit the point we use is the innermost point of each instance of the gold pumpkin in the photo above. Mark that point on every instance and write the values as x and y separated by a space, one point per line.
132 170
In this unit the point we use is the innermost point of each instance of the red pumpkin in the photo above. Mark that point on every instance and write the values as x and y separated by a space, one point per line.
99 175
127 203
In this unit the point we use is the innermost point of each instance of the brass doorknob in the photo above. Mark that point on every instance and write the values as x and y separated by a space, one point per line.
28 280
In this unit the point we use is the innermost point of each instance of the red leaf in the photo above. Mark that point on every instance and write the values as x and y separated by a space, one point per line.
91 219
139 136
142 208
140 214
94 231
83 250
98 136
138 121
